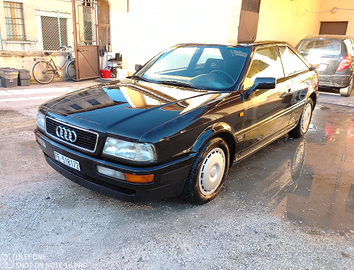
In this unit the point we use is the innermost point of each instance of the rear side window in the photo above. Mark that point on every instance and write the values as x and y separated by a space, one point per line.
349 45
291 62
320 46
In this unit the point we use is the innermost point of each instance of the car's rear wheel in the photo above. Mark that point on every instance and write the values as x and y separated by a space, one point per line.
304 121
346 91
208 172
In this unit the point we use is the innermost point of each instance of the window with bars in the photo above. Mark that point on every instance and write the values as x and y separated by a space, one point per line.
15 25
54 33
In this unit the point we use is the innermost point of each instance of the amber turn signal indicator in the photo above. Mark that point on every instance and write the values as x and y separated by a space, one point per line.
139 178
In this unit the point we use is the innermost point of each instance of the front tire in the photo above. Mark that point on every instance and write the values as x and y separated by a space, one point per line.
43 72
208 172
304 121
71 70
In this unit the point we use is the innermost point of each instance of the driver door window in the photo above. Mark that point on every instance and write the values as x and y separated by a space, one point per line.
265 63
265 114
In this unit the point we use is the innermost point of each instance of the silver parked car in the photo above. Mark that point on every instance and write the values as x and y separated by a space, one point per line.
334 55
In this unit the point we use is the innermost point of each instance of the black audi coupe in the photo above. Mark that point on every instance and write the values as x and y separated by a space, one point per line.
176 126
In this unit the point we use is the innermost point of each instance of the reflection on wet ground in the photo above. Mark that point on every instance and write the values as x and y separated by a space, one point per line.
309 181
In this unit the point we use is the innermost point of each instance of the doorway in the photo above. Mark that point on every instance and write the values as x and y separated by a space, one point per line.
248 20
333 28
85 39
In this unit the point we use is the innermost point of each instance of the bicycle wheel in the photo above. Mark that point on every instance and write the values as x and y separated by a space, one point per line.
71 70
43 72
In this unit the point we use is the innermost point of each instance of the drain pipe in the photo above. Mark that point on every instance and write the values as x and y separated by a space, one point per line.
1 40
59 27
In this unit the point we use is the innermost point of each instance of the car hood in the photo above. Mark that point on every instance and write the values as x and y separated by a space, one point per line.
128 110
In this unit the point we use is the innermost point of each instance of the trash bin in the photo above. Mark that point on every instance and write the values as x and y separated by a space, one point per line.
23 77
9 77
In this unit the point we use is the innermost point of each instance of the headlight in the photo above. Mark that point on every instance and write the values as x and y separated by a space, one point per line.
41 121
138 152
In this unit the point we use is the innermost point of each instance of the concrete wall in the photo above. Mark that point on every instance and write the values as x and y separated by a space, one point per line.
288 20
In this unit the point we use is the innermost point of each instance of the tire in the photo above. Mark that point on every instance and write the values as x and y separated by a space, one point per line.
304 121
208 172
43 72
71 70
346 91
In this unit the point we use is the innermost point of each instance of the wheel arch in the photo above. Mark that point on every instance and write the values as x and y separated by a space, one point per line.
221 130
313 96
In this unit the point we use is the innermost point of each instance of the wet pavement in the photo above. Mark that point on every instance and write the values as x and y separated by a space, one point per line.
308 181
289 206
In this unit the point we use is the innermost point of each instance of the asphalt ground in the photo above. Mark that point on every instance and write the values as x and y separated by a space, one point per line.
289 206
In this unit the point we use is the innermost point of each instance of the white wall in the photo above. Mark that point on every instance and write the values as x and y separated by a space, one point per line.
154 25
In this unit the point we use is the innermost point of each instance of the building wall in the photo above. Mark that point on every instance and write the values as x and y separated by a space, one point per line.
32 12
152 26
288 20
345 12
146 27
22 54
140 29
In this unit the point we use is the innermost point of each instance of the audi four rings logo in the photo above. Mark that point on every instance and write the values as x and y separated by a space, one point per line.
66 134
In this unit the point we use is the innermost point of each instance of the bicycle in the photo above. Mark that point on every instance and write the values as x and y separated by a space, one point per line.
43 71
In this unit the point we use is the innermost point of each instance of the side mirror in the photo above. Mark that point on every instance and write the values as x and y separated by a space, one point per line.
138 67
260 83
313 67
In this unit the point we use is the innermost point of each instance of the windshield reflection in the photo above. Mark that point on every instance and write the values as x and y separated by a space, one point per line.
197 66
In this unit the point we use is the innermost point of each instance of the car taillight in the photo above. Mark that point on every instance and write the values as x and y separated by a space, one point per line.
345 63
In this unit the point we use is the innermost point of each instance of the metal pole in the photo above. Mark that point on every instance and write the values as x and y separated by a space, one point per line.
77 62
1 40
59 27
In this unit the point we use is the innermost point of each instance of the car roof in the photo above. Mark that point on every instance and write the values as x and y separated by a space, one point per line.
242 43
339 37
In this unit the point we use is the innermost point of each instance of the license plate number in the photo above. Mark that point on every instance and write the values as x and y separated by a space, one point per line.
72 163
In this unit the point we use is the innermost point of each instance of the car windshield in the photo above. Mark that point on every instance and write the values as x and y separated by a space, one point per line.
203 67
330 47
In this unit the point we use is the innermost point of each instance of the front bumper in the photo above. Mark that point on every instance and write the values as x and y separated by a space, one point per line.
168 181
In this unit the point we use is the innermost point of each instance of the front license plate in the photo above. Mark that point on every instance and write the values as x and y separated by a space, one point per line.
67 161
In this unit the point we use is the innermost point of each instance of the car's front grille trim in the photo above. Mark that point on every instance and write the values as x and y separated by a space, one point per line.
86 140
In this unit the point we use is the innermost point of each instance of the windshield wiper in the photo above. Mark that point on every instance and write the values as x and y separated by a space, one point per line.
139 78
176 83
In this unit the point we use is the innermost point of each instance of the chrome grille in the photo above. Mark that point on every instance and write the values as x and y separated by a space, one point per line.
86 140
